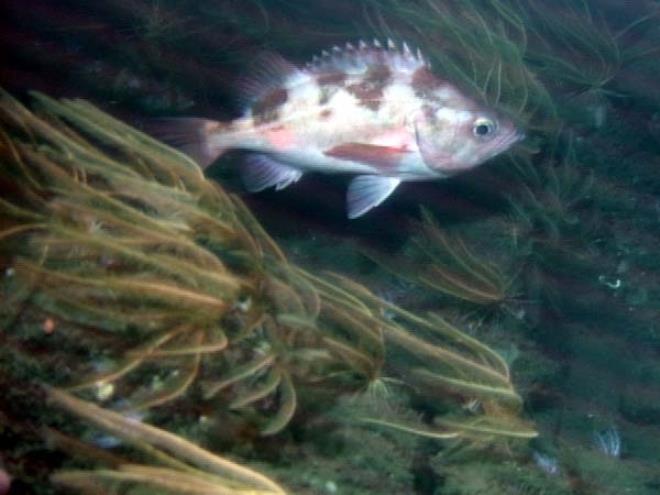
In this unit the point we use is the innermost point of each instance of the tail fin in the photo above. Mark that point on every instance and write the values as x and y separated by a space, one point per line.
197 138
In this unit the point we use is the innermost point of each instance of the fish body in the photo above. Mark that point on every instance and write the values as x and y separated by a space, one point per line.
379 112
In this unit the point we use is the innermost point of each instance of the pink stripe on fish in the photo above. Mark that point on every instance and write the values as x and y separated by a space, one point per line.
369 91
266 108
280 138
385 158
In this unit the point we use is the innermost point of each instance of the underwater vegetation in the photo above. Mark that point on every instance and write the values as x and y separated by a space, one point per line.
576 48
135 286
184 467
451 267
551 200
152 284
443 262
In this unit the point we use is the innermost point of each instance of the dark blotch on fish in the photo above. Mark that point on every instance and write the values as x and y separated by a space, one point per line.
370 90
331 79
424 83
265 109
329 83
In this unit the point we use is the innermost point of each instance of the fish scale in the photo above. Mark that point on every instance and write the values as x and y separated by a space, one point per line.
367 109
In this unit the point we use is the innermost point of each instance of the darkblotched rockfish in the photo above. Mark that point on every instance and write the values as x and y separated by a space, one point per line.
370 110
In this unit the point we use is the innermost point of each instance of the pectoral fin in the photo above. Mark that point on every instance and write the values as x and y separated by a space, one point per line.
368 191
261 172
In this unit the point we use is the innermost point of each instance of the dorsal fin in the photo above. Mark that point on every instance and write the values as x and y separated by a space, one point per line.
358 58
267 72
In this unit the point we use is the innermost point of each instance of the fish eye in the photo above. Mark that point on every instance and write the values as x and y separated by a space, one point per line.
483 127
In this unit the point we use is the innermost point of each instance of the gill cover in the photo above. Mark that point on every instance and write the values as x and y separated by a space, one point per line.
433 141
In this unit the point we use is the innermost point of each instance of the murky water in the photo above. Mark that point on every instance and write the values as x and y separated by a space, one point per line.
495 332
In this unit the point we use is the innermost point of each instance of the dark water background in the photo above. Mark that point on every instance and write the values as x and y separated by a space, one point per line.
582 333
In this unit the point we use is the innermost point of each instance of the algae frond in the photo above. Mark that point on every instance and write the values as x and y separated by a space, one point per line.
183 467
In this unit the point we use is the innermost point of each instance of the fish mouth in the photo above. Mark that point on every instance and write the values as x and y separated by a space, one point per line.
506 141
518 136
501 144
509 139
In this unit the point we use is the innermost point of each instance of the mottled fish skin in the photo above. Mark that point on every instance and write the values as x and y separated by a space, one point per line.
365 109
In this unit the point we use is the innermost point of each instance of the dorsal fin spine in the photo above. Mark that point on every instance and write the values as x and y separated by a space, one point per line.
362 55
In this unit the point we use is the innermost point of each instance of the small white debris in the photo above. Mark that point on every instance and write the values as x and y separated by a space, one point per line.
243 305
330 487
612 284
104 391
608 441
473 406
546 463
600 115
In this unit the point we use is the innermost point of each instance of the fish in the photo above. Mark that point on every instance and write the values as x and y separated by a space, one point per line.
374 110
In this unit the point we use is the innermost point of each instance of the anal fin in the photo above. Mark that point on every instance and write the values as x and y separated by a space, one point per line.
261 172
368 191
